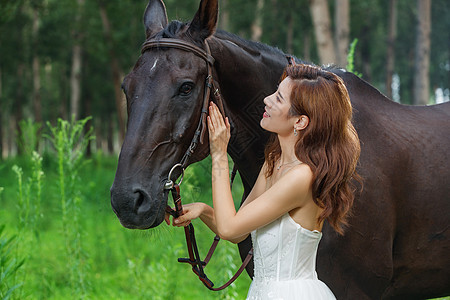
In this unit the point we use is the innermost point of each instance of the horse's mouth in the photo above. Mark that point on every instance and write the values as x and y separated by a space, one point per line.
141 215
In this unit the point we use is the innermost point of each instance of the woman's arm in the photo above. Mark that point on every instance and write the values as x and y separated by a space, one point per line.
205 213
288 193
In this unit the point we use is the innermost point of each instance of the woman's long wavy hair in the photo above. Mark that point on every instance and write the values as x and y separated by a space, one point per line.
329 145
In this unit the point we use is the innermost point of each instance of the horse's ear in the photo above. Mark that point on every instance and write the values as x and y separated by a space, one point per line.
155 17
204 22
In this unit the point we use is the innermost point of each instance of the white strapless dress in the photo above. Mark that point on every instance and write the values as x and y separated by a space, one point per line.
285 263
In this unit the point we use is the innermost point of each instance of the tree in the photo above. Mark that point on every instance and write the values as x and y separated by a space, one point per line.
37 105
342 30
224 20
422 53
257 30
116 70
322 29
75 75
390 54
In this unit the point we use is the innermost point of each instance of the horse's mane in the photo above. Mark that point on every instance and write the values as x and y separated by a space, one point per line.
225 35
175 27
258 46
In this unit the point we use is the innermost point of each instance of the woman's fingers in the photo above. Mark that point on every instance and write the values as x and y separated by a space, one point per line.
216 116
213 116
181 221
167 218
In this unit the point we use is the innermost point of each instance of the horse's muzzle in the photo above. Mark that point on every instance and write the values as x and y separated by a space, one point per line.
136 209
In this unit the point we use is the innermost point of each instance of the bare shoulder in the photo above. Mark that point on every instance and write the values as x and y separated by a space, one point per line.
302 174
294 186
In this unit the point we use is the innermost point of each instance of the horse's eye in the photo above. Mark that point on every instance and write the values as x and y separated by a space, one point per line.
186 89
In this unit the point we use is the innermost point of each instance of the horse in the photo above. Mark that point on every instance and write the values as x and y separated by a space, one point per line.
397 244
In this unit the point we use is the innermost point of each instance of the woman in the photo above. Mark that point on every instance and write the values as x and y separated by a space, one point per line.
305 180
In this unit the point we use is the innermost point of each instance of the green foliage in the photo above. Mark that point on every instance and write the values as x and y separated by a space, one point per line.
350 58
94 248
30 136
9 265
118 263
70 143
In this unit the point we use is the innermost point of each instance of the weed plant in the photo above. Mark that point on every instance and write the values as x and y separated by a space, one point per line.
9 265
351 58
116 262
30 136
70 142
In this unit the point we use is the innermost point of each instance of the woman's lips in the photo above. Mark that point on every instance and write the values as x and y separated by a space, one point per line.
265 115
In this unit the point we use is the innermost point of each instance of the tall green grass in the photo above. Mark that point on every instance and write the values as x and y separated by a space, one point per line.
70 141
61 239
68 244
9 265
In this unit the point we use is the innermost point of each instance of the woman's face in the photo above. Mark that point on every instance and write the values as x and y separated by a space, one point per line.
276 116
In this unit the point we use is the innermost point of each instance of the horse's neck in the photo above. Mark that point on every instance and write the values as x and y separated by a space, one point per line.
246 73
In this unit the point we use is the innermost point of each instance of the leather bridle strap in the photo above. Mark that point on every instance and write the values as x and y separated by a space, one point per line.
178 44
197 264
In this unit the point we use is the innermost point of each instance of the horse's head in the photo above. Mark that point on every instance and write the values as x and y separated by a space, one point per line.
164 94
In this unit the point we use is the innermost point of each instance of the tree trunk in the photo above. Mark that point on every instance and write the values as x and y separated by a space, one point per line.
37 105
275 30
1 117
18 112
422 53
342 30
257 30
224 16
322 28
75 74
390 55
110 136
307 46
116 72
290 33
89 124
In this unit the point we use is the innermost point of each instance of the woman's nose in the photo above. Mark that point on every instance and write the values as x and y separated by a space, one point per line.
267 101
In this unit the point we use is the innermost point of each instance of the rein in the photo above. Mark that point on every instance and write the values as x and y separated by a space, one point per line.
198 265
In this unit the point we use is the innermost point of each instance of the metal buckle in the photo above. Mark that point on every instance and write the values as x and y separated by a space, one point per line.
169 183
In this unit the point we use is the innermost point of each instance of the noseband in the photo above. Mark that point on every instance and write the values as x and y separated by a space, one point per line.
194 259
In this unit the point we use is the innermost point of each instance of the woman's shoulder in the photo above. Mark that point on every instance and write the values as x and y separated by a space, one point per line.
297 179
300 172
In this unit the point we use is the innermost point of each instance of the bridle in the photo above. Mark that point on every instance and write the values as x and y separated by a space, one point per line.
209 84
194 259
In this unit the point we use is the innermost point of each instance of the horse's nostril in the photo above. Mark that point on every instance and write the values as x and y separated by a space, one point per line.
142 203
139 201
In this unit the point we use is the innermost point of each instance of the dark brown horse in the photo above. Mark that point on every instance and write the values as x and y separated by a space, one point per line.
397 246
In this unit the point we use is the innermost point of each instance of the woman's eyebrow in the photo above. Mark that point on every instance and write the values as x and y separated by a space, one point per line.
279 94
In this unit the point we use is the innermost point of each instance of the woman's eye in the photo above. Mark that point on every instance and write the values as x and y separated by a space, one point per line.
186 89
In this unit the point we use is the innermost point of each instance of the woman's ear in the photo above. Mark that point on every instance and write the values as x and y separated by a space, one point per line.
302 122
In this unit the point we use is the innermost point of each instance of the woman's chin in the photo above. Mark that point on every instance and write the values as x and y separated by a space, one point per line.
264 126
261 123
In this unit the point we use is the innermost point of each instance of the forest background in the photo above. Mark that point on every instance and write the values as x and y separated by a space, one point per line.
68 57
65 60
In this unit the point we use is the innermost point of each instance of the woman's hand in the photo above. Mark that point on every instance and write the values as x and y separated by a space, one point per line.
219 132
190 211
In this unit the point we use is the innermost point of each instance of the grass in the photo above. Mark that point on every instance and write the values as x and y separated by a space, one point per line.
59 238
115 263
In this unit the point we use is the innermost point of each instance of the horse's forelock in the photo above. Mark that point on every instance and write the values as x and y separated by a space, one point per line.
176 30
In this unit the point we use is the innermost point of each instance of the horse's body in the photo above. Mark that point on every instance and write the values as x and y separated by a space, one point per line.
397 244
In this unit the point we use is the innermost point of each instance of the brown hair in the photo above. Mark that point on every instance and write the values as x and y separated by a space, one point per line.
329 145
